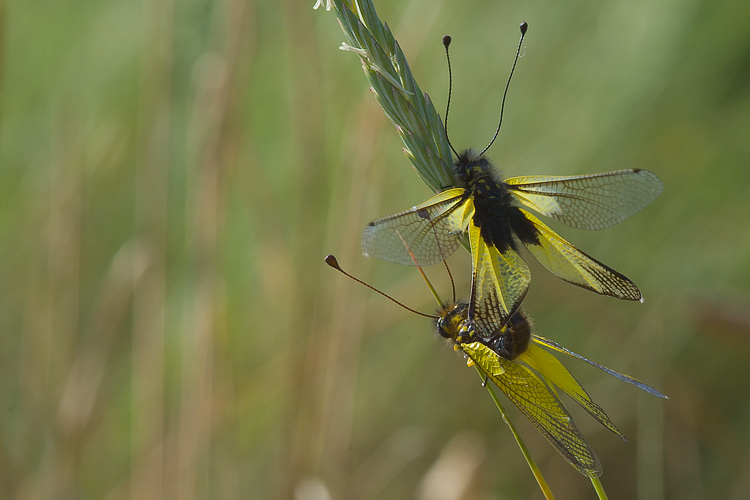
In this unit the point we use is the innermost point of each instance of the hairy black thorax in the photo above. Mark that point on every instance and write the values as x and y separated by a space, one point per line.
496 214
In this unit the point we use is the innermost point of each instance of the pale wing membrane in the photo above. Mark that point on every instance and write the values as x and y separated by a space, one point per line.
620 376
593 201
540 405
499 284
570 264
427 229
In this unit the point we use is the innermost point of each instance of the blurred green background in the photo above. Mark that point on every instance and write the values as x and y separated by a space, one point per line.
173 172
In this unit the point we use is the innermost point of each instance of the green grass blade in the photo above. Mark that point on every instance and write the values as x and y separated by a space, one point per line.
521 445
599 488
391 80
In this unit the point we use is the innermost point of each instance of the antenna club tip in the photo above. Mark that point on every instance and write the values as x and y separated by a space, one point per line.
446 40
523 27
331 261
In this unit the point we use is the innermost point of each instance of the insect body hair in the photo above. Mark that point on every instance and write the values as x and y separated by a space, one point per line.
472 167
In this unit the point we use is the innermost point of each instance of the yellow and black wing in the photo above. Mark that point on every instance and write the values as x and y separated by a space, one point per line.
540 405
593 201
557 375
430 230
572 265
499 284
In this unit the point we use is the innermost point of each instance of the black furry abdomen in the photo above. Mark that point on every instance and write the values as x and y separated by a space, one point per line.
514 339
496 215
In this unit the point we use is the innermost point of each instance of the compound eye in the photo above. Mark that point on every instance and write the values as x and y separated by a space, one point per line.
442 328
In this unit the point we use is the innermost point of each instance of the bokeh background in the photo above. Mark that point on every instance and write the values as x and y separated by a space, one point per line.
173 172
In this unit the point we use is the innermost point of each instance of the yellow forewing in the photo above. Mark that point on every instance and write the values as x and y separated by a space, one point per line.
540 405
592 201
485 357
427 229
542 203
502 278
448 194
458 220
570 264
554 371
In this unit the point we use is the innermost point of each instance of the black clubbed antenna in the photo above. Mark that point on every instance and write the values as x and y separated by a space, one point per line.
446 44
331 261
523 27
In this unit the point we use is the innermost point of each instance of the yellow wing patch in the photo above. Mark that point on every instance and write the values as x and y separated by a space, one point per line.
592 201
427 229
554 371
501 277
570 264
540 405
